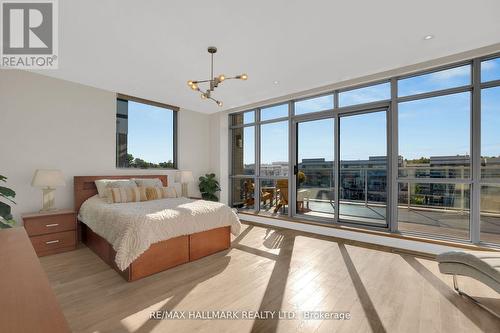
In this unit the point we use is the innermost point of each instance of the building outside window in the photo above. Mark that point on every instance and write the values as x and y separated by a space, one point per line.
420 181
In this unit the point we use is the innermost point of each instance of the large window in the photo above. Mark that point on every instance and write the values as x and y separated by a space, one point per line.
243 143
378 92
416 154
490 153
274 149
145 134
434 137
363 168
434 169
440 80
316 104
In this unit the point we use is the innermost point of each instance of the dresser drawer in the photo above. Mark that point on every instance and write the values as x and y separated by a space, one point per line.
42 225
54 243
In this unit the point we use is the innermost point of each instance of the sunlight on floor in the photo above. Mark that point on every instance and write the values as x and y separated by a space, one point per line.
135 321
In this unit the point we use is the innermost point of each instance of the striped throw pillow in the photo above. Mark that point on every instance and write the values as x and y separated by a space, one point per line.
126 194
155 193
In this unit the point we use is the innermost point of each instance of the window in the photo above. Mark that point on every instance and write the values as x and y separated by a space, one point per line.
449 78
145 134
316 104
490 164
244 118
243 154
378 92
363 168
243 193
434 137
326 158
490 214
440 209
490 70
490 133
273 112
274 149
315 168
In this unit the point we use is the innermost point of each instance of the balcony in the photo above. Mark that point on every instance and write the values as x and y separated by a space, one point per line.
428 203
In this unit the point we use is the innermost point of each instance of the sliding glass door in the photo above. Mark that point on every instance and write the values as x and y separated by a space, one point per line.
314 170
362 164
363 168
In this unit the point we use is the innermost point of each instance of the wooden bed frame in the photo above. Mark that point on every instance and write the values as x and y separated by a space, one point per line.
160 256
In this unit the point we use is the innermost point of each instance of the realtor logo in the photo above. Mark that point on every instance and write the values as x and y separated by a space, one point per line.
29 34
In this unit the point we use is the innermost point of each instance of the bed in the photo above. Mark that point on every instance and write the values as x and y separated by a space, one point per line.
141 239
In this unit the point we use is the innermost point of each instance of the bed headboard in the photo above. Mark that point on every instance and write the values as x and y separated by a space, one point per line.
85 187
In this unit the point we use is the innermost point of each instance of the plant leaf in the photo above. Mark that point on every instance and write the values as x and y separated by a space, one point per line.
7 192
5 211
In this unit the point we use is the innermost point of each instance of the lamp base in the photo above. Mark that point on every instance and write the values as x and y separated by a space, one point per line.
49 200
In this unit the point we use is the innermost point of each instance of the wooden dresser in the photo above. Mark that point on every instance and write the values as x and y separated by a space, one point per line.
27 302
52 232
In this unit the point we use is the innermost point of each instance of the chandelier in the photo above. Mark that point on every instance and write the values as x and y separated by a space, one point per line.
213 82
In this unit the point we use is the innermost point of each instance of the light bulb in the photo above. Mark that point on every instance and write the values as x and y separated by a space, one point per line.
203 96
221 77
219 103
194 86
190 83
243 76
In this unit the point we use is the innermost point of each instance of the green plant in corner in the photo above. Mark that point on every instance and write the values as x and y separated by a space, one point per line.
8 195
209 186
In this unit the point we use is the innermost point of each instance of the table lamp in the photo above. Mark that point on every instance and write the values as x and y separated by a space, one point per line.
48 180
184 177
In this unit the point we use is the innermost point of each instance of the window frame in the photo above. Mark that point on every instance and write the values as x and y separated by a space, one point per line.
174 109
474 180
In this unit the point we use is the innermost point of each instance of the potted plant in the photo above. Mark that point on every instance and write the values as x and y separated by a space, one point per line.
209 186
301 177
8 196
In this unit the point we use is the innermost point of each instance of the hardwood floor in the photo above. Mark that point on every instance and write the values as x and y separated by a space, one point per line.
272 269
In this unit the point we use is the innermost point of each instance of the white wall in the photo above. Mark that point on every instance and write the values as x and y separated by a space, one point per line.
51 123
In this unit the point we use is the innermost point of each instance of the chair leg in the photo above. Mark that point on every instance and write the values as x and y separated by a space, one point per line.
474 300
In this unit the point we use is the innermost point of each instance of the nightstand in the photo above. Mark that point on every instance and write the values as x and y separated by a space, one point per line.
51 232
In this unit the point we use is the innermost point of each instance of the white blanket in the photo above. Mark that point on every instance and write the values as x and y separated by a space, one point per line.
132 227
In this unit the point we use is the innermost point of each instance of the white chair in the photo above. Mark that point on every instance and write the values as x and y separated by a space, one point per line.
483 266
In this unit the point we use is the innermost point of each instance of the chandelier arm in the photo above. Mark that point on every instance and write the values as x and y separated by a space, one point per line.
201 81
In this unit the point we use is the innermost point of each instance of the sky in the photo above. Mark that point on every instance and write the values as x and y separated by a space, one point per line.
428 127
150 132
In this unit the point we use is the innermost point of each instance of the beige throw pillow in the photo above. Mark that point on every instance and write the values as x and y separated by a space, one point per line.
155 193
126 194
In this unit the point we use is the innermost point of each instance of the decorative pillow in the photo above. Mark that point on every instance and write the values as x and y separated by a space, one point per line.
148 182
126 194
155 193
102 184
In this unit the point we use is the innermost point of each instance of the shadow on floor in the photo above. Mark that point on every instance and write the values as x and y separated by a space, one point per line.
275 290
367 304
478 316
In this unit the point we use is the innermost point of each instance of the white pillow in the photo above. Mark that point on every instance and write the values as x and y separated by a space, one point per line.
148 182
103 184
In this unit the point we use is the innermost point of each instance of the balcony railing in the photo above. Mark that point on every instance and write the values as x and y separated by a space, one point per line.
368 185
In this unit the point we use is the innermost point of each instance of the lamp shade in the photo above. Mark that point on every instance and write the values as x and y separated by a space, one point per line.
48 178
184 177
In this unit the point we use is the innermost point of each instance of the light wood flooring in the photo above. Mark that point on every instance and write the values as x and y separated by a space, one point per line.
272 269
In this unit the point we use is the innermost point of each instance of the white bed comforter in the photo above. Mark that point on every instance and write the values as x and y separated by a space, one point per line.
132 227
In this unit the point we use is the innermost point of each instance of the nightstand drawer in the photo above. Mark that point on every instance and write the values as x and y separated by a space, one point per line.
54 243
42 225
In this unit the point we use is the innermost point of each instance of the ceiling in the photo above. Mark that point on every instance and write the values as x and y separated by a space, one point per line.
150 49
